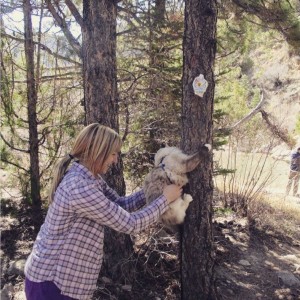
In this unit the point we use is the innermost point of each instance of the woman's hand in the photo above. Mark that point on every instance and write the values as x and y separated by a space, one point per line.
172 192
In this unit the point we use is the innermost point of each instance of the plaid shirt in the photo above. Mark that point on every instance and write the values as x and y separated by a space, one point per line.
69 247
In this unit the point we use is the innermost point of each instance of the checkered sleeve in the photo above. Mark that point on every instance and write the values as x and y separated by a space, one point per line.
89 201
130 203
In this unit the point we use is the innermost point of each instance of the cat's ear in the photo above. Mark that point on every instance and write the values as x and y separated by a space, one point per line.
193 160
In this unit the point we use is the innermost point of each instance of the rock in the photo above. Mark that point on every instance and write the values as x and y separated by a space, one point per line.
244 263
127 287
288 279
222 225
292 258
6 292
16 267
4 295
106 280
231 292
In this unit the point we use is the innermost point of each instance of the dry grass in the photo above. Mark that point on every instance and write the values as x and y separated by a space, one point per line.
260 182
280 215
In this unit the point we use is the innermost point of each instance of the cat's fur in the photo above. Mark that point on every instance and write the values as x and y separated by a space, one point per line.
171 166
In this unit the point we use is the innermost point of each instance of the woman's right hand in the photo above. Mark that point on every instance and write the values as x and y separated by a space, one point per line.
172 192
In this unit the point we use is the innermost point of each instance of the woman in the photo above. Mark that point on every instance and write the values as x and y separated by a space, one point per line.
67 255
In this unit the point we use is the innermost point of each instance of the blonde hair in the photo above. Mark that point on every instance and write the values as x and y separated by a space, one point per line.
92 146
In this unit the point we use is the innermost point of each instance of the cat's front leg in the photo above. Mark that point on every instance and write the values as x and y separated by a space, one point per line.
187 199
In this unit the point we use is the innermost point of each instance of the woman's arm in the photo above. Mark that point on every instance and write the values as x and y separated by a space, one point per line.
130 203
89 201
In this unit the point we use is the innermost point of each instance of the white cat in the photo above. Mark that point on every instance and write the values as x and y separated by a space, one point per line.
171 166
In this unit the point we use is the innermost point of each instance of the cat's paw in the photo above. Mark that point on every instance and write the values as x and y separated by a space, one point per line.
208 146
187 198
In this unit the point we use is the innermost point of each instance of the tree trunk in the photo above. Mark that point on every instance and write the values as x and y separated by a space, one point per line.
101 105
32 117
99 62
199 47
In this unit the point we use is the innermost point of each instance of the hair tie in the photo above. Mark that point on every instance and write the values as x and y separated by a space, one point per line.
71 156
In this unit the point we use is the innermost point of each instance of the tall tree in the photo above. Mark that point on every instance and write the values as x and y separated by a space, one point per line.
98 54
101 104
32 114
199 48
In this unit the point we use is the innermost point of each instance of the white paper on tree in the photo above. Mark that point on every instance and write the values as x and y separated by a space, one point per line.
200 85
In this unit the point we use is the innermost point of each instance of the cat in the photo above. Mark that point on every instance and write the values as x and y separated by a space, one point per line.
171 166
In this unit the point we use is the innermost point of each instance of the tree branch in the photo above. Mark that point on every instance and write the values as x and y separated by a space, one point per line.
14 164
132 14
45 48
251 113
64 27
11 146
75 12
280 133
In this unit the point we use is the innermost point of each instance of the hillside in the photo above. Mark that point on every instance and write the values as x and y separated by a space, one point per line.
277 72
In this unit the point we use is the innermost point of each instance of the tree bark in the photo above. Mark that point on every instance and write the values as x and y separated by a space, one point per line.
101 105
32 117
199 47
99 61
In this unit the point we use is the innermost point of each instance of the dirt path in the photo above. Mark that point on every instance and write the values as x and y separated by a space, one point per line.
253 264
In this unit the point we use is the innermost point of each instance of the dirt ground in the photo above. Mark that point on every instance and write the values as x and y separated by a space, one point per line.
250 263
254 263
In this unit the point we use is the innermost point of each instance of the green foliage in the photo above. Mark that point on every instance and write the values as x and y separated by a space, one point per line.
136 165
281 15
58 109
287 16
223 211
150 64
5 155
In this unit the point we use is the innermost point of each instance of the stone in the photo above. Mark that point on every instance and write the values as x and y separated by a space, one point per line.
6 292
244 263
106 280
127 287
288 279
16 267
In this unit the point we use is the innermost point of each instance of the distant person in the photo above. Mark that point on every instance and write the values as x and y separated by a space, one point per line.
294 173
67 255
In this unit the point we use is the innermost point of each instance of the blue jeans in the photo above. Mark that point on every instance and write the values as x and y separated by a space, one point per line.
45 290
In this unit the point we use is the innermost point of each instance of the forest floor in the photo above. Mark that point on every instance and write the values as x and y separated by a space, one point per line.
257 261
252 262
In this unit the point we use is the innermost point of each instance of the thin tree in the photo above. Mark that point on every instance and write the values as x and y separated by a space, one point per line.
29 103
199 48
32 115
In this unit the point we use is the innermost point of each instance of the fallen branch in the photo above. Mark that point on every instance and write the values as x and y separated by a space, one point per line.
280 133
252 113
